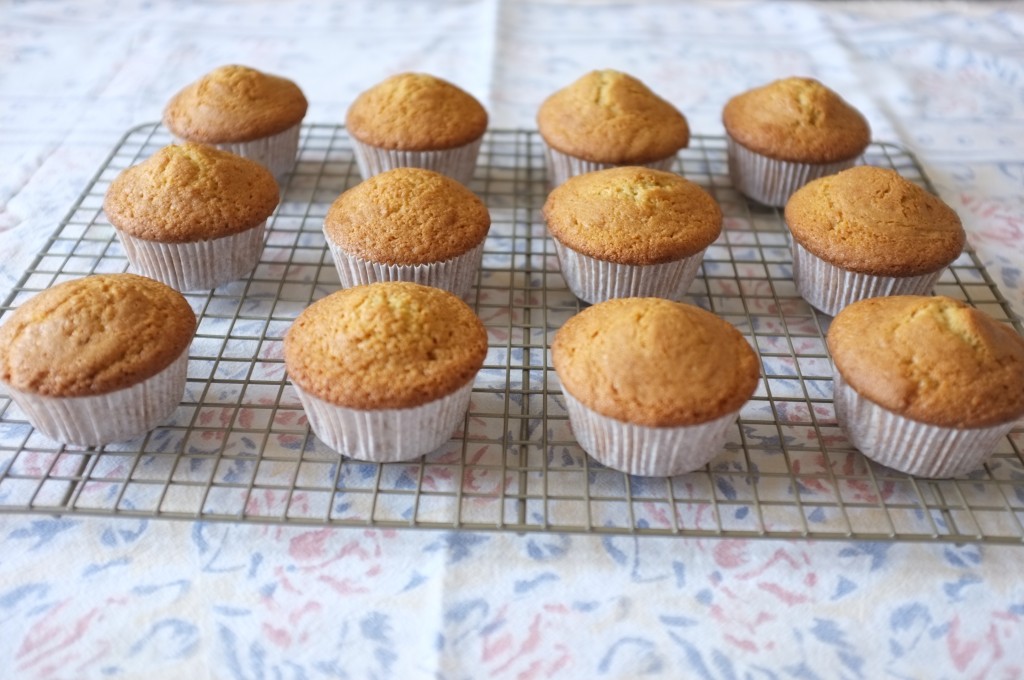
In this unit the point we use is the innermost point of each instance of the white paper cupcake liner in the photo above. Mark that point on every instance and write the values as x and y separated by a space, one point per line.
563 166
105 418
647 451
386 435
276 152
455 275
459 162
593 280
196 265
829 288
770 181
907 445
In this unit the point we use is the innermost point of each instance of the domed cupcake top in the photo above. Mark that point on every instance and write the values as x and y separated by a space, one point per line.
935 360
797 119
873 221
407 216
633 215
610 117
191 192
235 104
94 335
654 362
416 112
385 345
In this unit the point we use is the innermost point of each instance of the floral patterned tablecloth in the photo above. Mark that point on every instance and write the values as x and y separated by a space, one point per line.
106 598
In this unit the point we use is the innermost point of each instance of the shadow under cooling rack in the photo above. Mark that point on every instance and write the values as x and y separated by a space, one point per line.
238 448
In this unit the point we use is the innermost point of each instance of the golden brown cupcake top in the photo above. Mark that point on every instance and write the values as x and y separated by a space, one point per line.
935 360
416 112
407 216
654 362
385 345
190 192
798 120
873 221
633 215
235 104
611 117
94 335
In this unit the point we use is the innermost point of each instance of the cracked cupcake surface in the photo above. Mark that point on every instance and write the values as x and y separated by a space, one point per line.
873 221
934 360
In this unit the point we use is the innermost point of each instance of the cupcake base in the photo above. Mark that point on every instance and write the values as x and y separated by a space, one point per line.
105 418
459 162
563 166
770 181
593 280
646 451
196 265
829 288
455 275
386 435
907 445
276 152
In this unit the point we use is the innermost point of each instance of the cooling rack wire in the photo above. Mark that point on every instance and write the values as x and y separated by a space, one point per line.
238 449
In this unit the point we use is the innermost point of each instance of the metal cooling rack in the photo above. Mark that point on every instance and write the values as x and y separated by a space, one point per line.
238 448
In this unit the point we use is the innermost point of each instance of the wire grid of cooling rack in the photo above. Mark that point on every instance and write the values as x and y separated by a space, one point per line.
238 448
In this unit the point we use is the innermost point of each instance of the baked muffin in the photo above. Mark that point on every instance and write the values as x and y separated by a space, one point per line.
868 232
384 371
608 118
788 132
652 386
99 359
244 111
416 120
191 215
408 224
631 232
925 385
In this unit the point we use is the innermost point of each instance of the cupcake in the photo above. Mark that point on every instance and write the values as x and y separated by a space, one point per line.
98 360
784 134
868 232
925 385
416 120
191 215
605 119
408 224
242 110
384 371
631 232
652 386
